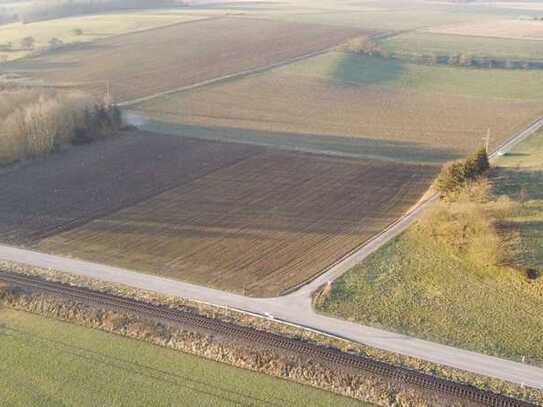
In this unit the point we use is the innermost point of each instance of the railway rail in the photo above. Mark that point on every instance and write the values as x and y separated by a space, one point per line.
192 321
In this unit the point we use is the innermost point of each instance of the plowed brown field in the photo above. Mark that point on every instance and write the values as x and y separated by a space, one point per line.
259 226
145 63
68 189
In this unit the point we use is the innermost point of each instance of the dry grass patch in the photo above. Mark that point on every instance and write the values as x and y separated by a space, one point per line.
360 105
313 106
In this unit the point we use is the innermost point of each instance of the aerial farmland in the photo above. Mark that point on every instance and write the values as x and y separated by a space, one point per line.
207 176
264 137
145 63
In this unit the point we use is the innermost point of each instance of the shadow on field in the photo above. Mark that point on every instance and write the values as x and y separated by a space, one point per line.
525 185
355 147
514 182
367 70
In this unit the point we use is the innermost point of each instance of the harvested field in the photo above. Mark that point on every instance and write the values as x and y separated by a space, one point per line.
350 96
145 63
515 29
70 188
258 227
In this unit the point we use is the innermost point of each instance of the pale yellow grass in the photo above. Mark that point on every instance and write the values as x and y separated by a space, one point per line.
94 27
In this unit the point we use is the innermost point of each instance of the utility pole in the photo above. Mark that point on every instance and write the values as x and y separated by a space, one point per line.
108 96
487 140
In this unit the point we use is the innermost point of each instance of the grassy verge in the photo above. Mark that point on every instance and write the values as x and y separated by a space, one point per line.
55 363
420 286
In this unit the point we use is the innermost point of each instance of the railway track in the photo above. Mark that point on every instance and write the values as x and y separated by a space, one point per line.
192 321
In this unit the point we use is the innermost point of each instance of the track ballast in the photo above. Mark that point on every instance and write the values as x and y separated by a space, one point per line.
196 322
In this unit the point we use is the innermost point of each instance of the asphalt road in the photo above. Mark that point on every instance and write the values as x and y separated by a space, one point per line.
296 307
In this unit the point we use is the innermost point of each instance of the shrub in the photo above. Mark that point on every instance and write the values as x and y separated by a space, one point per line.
362 45
55 43
469 224
457 174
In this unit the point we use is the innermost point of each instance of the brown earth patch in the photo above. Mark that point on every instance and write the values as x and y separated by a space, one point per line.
145 63
46 196
257 227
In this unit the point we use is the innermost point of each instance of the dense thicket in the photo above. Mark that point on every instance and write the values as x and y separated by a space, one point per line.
36 122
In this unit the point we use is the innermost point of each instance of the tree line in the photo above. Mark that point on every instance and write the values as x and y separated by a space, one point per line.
37 122
366 46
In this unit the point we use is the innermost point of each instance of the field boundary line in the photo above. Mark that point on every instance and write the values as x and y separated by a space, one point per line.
225 78
349 260
76 45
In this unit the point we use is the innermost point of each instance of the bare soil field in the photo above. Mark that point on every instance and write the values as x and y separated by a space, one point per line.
515 29
312 106
236 217
70 188
149 62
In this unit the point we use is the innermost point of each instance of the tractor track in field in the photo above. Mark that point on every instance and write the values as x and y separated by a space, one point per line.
195 322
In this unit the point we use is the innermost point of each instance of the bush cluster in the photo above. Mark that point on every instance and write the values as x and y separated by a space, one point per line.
457 174
367 46
36 122
470 225
98 122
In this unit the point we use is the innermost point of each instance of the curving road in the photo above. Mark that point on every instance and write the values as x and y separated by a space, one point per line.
296 307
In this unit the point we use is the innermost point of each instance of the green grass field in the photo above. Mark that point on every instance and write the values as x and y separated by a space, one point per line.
416 286
93 27
363 70
444 44
51 363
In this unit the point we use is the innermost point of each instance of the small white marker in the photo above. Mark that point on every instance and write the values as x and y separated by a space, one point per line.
270 316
